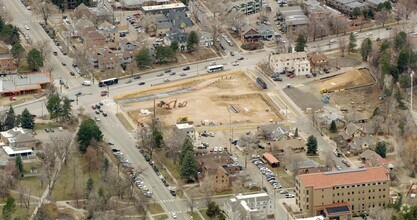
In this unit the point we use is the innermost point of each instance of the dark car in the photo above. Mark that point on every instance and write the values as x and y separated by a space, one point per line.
74 65
232 54
241 58
142 83
167 70
388 28
104 114
308 75
137 77
64 64
47 130
110 143
78 93
71 100
172 73
52 130
97 112
55 53
277 79
72 73
326 70
186 68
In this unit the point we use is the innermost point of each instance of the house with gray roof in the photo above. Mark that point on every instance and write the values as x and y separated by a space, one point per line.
266 31
348 8
179 36
360 144
18 138
244 6
294 19
374 3
250 206
19 84
172 20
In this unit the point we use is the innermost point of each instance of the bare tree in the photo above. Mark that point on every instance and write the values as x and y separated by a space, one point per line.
44 8
236 19
238 185
248 140
192 203
7 179
142 204
265 68
381 213
328 159
25 193
343 44
406 8
173 142
293 162
382 16
338 24
214 23
149 22
207 189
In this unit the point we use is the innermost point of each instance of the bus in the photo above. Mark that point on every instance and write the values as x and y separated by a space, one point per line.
261 83
108 82
215 68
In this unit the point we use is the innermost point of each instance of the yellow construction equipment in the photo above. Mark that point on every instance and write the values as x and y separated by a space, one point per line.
182 119
324 91
183 104
167 105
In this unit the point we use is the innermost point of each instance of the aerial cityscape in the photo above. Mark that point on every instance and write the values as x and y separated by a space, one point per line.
204 109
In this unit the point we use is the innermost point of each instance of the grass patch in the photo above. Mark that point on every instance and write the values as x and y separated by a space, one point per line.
286 180
195 215
316 159
155 208
124 122
42 126
203 213
160 217
35 183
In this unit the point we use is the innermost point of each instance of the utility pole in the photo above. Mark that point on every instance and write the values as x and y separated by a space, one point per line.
411 90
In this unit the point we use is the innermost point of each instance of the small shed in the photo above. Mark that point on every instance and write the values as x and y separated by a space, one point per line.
270 159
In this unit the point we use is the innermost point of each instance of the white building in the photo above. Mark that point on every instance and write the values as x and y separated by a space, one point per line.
296 62
249 207
187 129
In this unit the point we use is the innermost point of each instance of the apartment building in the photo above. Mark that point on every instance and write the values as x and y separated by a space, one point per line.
249 207
339 195
244 6
296 62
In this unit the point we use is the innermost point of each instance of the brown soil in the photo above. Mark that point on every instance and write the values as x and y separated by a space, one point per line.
211 102
345 80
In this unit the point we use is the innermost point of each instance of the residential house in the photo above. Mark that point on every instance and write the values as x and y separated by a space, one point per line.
252 206
250 35
374 3
78 25
125 57
310 166
103 58
296 145
359 144
371 159
18 138
349 7
340 194
173 20
126 45
246 7
161 9
351 131
109 31
7 62
94 39
20 84
266 31
97 14
339 4
137 4
123 30
315 10
296 62
206 39
270 159
357 117
317 61
179 36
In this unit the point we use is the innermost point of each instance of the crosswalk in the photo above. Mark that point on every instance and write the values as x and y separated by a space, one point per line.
166 201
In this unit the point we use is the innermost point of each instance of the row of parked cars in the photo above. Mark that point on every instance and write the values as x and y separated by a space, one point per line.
270 176
135 176
152 164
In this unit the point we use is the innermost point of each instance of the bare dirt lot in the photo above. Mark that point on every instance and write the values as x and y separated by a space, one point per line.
345 80
211 100
344 62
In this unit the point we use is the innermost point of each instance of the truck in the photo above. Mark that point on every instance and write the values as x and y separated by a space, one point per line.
86 83
261 83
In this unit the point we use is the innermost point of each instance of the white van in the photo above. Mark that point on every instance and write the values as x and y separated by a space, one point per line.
86 83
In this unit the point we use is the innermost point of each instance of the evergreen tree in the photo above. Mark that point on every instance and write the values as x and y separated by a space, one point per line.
34 59
19 165
88 130
66 109
381 149
106 164
186 146
174 46
9 208
384 46
366 48
189 166
311 145
400 41
296 132
301 43
213 210
333 127
158 138
143 58
164 54
192 41
10 120
27 121
356 12
89 187
54 106
352 43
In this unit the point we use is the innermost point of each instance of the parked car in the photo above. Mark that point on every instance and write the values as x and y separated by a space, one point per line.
183 74
142 83
159 74
186 68
137 77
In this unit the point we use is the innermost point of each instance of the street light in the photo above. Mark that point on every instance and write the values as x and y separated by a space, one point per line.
411 90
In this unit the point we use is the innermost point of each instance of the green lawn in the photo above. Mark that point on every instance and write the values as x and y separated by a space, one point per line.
161 217
35 184
203 213
195 215
286 180
155 208
42 126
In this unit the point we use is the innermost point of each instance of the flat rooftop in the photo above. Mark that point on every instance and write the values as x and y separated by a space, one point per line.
166 6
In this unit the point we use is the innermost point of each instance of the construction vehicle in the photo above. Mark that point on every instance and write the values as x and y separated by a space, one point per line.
182 119
324 91
183 104
167 105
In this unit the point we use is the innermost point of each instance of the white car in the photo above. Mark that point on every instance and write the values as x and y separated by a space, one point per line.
26 27
289 196
174 216
235 64
332 41
369 34
355 33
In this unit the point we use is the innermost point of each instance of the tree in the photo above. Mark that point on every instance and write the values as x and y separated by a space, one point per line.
44 49
356 12
34 59
19 165
157 138
352 43
400 41
311 145
382 16
189 166
143 58
88 130
384 46
407 7
164 54
27 121
333 127
44 8
89 187
192 41
10 34
186 146
54 106
10 120
300 43
406 58
213 210
65 112
17 52
296 132
343 44
174 45
366 49
381 149
9 208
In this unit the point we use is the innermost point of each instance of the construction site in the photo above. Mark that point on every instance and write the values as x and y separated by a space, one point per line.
220 99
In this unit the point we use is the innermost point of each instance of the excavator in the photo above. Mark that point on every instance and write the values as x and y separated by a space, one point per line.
324 91
182 119
167 105
183 104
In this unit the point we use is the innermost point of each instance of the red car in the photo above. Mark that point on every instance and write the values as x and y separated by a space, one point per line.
104 93
292 76
93 107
